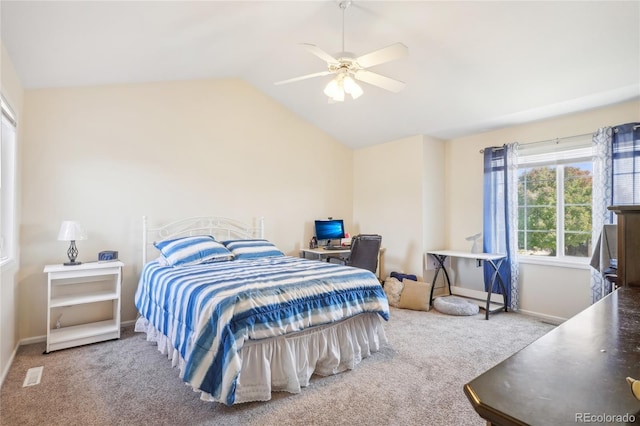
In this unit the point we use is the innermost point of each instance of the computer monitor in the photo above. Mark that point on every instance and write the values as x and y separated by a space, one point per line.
332 229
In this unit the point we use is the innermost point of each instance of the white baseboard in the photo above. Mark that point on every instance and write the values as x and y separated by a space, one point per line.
32 340
543 317
7 367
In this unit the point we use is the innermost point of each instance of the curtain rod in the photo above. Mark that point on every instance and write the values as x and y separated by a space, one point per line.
634 128
556 141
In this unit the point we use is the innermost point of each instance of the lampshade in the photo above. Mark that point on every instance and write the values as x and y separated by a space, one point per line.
342 83
334 90
351 87
70 230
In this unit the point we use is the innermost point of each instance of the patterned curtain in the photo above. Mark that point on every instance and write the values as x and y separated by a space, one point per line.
616 180
602 196
500 215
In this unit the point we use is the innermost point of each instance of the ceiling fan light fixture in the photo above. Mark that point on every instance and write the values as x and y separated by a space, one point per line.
341 84
334 89
351 87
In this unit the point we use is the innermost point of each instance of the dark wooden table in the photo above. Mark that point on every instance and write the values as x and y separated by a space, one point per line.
574 374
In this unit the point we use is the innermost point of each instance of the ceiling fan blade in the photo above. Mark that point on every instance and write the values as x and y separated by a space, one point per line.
380 56
320 53
378 80
304 77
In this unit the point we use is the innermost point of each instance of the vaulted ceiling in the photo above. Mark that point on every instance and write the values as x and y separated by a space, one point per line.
472 66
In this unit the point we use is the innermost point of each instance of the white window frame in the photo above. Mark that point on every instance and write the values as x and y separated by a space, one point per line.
557 160
8 183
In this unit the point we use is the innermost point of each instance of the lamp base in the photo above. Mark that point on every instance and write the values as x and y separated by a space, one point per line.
72 253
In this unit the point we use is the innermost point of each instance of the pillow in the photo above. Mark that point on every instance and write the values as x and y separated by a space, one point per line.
393 290
162 261
415 295
193 250
252 249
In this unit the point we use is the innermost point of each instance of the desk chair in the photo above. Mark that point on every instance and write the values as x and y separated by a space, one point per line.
611 274
604 258
365 249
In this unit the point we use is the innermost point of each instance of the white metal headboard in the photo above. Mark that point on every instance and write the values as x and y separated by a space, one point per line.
221 228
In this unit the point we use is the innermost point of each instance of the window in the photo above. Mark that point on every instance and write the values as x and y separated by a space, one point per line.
7 182
626 165
555 204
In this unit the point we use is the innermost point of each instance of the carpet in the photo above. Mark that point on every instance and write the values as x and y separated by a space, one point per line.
416 379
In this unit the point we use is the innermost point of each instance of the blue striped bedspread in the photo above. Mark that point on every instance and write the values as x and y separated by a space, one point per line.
208 311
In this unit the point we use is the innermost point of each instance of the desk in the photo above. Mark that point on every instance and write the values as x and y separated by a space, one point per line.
495 260
576 369
322 254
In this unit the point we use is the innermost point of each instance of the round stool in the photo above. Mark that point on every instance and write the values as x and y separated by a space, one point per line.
453 305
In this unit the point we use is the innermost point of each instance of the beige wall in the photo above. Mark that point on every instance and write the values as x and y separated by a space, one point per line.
106 156
11 89
554 292
399 193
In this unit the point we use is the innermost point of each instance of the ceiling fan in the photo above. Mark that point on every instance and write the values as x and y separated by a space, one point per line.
347 67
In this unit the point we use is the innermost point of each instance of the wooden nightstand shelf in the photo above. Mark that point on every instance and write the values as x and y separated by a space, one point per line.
70 290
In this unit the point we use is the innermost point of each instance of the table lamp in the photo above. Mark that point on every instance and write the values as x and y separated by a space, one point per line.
70 230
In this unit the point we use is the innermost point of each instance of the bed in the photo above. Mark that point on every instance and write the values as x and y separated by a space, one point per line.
242 320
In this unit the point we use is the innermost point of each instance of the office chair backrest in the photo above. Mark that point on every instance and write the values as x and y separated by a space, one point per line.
364 251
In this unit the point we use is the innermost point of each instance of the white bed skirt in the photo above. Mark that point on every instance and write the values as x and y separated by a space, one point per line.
286 363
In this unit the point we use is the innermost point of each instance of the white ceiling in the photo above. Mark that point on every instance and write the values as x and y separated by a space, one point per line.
472 66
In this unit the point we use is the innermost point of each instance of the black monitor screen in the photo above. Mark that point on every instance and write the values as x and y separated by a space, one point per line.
329 229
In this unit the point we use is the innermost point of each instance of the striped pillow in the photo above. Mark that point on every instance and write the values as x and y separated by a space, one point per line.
251 249
193 250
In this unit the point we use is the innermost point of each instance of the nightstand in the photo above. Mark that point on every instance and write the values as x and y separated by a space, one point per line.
83 303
